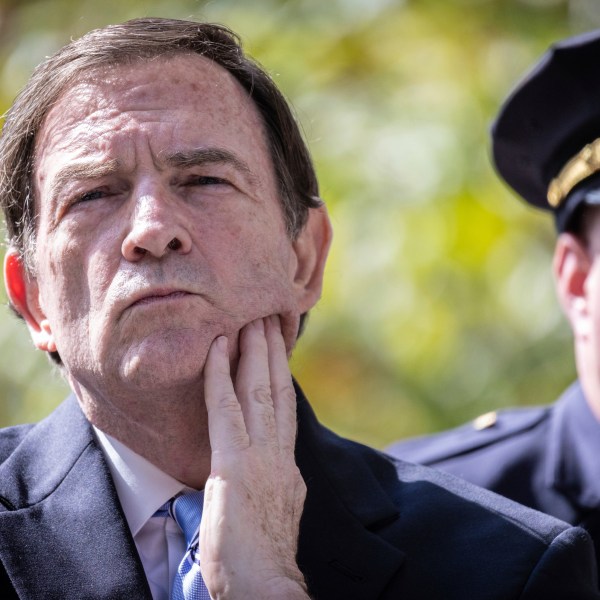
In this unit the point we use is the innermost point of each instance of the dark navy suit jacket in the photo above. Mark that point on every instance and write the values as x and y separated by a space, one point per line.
372 527
547 457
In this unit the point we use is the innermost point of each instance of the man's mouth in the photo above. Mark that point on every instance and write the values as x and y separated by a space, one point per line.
160 296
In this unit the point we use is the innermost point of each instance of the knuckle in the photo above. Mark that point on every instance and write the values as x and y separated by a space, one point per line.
261 394
237 440
286 391
228 402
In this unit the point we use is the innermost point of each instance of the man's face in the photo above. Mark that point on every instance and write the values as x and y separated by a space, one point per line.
159 225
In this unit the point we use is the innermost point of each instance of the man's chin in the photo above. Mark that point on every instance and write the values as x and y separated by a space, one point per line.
170 361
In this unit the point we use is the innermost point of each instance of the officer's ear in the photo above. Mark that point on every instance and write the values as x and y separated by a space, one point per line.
573 263
23 294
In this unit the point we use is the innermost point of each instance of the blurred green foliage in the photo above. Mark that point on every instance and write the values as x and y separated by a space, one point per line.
439 300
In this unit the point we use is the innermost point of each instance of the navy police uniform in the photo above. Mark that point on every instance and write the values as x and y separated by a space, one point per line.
546 146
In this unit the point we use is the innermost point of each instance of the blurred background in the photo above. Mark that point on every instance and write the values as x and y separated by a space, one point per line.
439 302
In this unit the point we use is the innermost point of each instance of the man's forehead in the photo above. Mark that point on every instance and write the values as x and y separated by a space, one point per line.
201 74
157 88
166 106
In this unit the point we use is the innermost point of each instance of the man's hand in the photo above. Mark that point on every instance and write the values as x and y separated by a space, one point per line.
254 497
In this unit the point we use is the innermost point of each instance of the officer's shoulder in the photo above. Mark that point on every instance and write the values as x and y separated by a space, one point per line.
485 431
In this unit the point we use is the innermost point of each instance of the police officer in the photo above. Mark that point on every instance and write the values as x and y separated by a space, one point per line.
546 145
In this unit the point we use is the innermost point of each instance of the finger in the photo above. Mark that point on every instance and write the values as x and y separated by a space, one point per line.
253 384
226 428
282 387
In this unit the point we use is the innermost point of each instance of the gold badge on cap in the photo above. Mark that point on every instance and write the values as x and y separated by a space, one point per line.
580 167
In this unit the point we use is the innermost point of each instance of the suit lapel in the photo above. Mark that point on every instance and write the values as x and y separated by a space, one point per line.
340 551
63 533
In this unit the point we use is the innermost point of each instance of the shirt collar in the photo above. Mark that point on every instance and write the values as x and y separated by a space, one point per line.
141 486
575 448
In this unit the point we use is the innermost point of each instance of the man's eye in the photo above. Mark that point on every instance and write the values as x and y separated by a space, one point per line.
206 180
93 195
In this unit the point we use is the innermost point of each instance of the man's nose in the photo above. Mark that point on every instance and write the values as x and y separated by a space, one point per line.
157 227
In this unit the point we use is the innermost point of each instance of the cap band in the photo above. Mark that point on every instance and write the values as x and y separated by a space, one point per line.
585 163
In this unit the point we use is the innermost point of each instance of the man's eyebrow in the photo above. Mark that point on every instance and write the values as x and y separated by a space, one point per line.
82 170
186 158
201 156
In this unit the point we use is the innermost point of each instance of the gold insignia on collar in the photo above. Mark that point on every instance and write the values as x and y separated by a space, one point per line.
485 421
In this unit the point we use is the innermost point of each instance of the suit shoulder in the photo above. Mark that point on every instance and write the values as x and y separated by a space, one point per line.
10 438
452 510
511 426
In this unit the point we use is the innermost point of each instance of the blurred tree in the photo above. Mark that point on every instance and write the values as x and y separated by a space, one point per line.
439 301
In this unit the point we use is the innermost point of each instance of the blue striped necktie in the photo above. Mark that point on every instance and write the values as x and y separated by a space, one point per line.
187 512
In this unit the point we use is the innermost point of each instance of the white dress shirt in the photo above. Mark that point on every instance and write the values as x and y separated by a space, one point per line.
142 489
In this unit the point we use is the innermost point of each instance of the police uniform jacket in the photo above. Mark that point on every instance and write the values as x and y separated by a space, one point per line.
547 458
372 527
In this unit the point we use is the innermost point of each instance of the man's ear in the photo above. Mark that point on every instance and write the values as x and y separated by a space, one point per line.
572 264
311 248
23 293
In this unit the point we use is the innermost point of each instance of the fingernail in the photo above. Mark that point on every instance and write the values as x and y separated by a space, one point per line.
221 343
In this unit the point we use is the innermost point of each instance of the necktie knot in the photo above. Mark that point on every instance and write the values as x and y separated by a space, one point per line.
186 509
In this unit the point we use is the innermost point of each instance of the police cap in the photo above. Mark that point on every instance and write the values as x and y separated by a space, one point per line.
546 138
